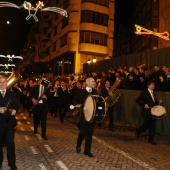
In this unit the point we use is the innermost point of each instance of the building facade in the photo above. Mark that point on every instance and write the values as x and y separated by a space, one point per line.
66 43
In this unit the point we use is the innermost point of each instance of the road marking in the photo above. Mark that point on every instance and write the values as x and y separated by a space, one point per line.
28 122
22 128
38 136
48 148
61 164
42 166
137 161
34 150
26 137
24 117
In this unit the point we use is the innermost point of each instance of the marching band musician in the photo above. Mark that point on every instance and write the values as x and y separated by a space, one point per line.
39 96
146 100
54 98
104 94
86 128
64 98
8 108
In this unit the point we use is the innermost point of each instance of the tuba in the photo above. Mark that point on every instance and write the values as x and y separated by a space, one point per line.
13 79
114 94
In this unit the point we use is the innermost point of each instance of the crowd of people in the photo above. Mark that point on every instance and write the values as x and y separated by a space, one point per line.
54 94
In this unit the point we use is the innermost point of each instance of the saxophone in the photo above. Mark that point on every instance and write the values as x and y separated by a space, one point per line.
114 93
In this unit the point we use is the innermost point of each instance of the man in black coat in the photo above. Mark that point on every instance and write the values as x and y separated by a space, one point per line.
8 108
39 96
147 100
105 93
63 100
86 128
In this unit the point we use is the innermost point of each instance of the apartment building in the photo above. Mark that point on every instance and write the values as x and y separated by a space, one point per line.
66 43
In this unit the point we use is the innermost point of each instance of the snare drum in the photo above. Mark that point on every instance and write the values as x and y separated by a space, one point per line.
94 109
158 112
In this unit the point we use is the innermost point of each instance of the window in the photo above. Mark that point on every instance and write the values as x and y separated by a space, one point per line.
54 47
64 22
66 4
63 40
55 30
93 38
94 17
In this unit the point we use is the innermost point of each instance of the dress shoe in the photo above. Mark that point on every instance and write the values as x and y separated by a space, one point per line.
61 120
78 149
90 155
152 142
44 137
13 167
136 135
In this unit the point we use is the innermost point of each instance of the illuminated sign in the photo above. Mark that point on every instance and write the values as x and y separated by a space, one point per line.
141 30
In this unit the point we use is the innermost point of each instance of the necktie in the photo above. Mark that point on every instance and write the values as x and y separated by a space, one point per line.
3 93
152 96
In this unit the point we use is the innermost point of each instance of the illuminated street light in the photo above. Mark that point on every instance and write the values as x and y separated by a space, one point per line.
94 60
89 61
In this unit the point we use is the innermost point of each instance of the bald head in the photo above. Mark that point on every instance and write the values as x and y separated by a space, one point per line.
90 82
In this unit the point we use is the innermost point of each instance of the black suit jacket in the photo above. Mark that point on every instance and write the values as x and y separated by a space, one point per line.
146 98
81 96
35 94
11 100
104 92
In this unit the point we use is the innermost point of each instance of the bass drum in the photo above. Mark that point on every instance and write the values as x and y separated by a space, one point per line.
158 112
94 109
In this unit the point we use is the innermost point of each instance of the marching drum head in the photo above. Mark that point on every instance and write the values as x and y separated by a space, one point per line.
158 111
88 108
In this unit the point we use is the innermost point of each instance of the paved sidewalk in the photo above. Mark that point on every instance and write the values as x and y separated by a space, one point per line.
113 150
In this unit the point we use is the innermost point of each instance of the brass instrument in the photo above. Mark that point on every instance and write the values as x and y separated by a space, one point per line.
13 79
114 94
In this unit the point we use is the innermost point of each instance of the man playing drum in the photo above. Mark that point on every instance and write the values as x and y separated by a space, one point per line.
86 128
147 100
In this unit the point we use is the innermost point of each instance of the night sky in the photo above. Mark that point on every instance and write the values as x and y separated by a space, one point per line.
13 36
123 14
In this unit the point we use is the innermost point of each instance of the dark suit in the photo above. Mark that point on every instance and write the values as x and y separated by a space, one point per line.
63 102
149 121
7 124
166 85
86 128
104 94
40 110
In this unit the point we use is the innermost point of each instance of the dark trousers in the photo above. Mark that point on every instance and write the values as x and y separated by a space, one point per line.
149 123
62 112
86 131
40 116
111 117
7 139
54 106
